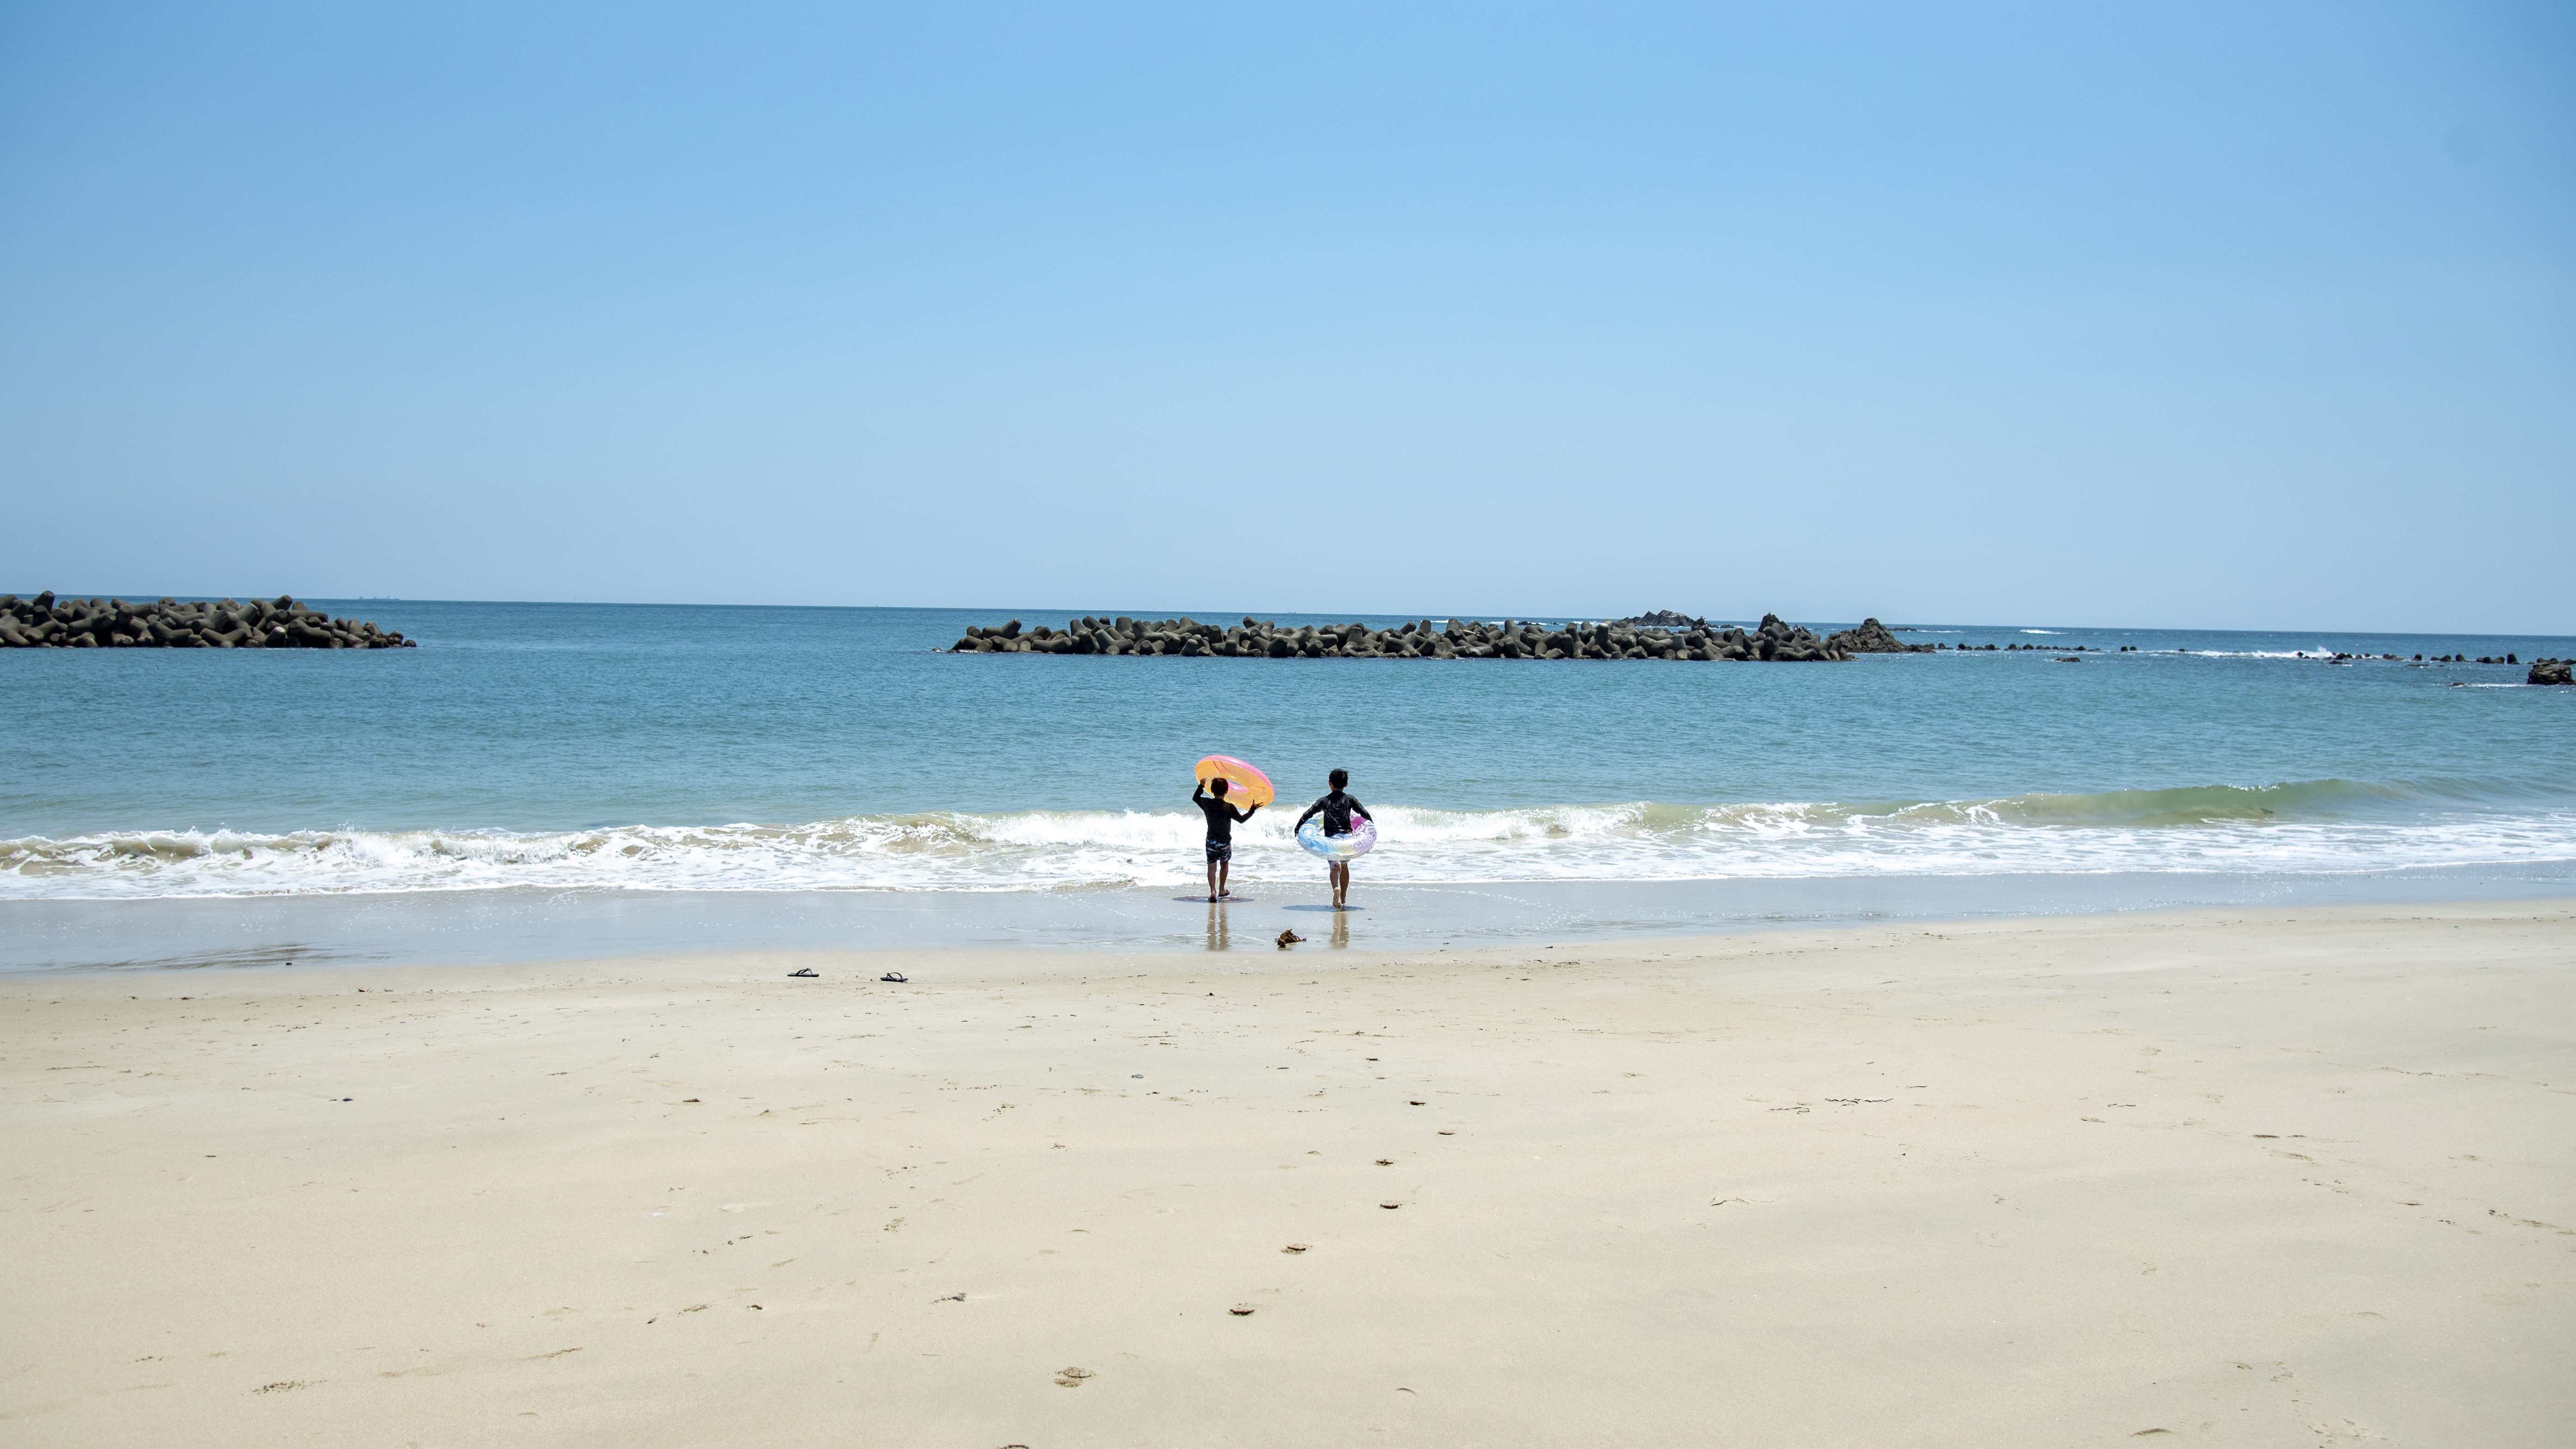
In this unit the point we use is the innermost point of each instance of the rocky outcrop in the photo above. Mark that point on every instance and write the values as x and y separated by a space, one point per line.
1780 642
1660 619
1772 640
2551 671
45 622
1873 637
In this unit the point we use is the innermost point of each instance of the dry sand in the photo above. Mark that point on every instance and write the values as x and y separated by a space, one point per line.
2237 1178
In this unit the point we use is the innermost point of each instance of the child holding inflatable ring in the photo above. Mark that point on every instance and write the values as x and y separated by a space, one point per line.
1337 809
1221 820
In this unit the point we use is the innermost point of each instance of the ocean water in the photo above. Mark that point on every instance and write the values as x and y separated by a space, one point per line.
552 748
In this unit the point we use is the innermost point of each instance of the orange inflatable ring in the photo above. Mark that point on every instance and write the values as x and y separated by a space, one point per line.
1245 787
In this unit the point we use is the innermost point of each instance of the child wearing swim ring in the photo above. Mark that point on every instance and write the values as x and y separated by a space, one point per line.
1221 820
1337 809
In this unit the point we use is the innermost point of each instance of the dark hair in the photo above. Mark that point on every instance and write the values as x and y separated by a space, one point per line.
1339 778
1216 786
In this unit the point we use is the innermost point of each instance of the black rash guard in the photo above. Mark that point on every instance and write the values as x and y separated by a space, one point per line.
1221 816
1338 808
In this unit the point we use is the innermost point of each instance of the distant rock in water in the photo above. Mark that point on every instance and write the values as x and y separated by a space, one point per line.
1872 637
1660 619
2551 671
1772 640
45 622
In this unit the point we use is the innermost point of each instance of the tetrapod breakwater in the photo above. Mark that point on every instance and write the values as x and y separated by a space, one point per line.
47 622
1771 641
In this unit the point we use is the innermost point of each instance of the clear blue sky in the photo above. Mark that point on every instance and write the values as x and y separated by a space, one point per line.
2223 315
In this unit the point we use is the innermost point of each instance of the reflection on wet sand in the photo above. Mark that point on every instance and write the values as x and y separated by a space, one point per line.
1217 935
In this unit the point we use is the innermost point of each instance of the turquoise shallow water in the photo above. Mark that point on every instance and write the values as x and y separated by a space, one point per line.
735 749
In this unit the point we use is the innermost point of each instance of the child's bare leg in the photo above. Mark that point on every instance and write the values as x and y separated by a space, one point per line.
1212 873
1224 868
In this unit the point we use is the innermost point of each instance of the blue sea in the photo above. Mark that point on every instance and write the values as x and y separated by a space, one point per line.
630 749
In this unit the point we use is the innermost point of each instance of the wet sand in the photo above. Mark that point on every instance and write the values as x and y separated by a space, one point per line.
525 926
2235 1177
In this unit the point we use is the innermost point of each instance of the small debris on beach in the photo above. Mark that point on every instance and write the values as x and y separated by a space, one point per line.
1072 1378
1288 939
1296 1247
808 971
1390 1206
1386 1162
895 976
1241 1310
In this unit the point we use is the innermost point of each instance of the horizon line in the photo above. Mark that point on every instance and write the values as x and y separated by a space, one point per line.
1361 616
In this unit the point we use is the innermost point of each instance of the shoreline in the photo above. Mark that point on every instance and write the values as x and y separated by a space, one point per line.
53 936
2245 1176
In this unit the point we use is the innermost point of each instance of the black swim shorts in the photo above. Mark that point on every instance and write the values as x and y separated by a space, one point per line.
1220 850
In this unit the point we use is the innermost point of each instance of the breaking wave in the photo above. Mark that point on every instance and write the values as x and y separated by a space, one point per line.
2305 826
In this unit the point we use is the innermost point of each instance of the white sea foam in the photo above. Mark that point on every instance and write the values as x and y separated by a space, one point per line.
2311 826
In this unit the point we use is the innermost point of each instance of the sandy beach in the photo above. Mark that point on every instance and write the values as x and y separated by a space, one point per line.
2237 1177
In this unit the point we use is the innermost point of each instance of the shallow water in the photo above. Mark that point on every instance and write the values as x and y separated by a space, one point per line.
732 749
309 929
